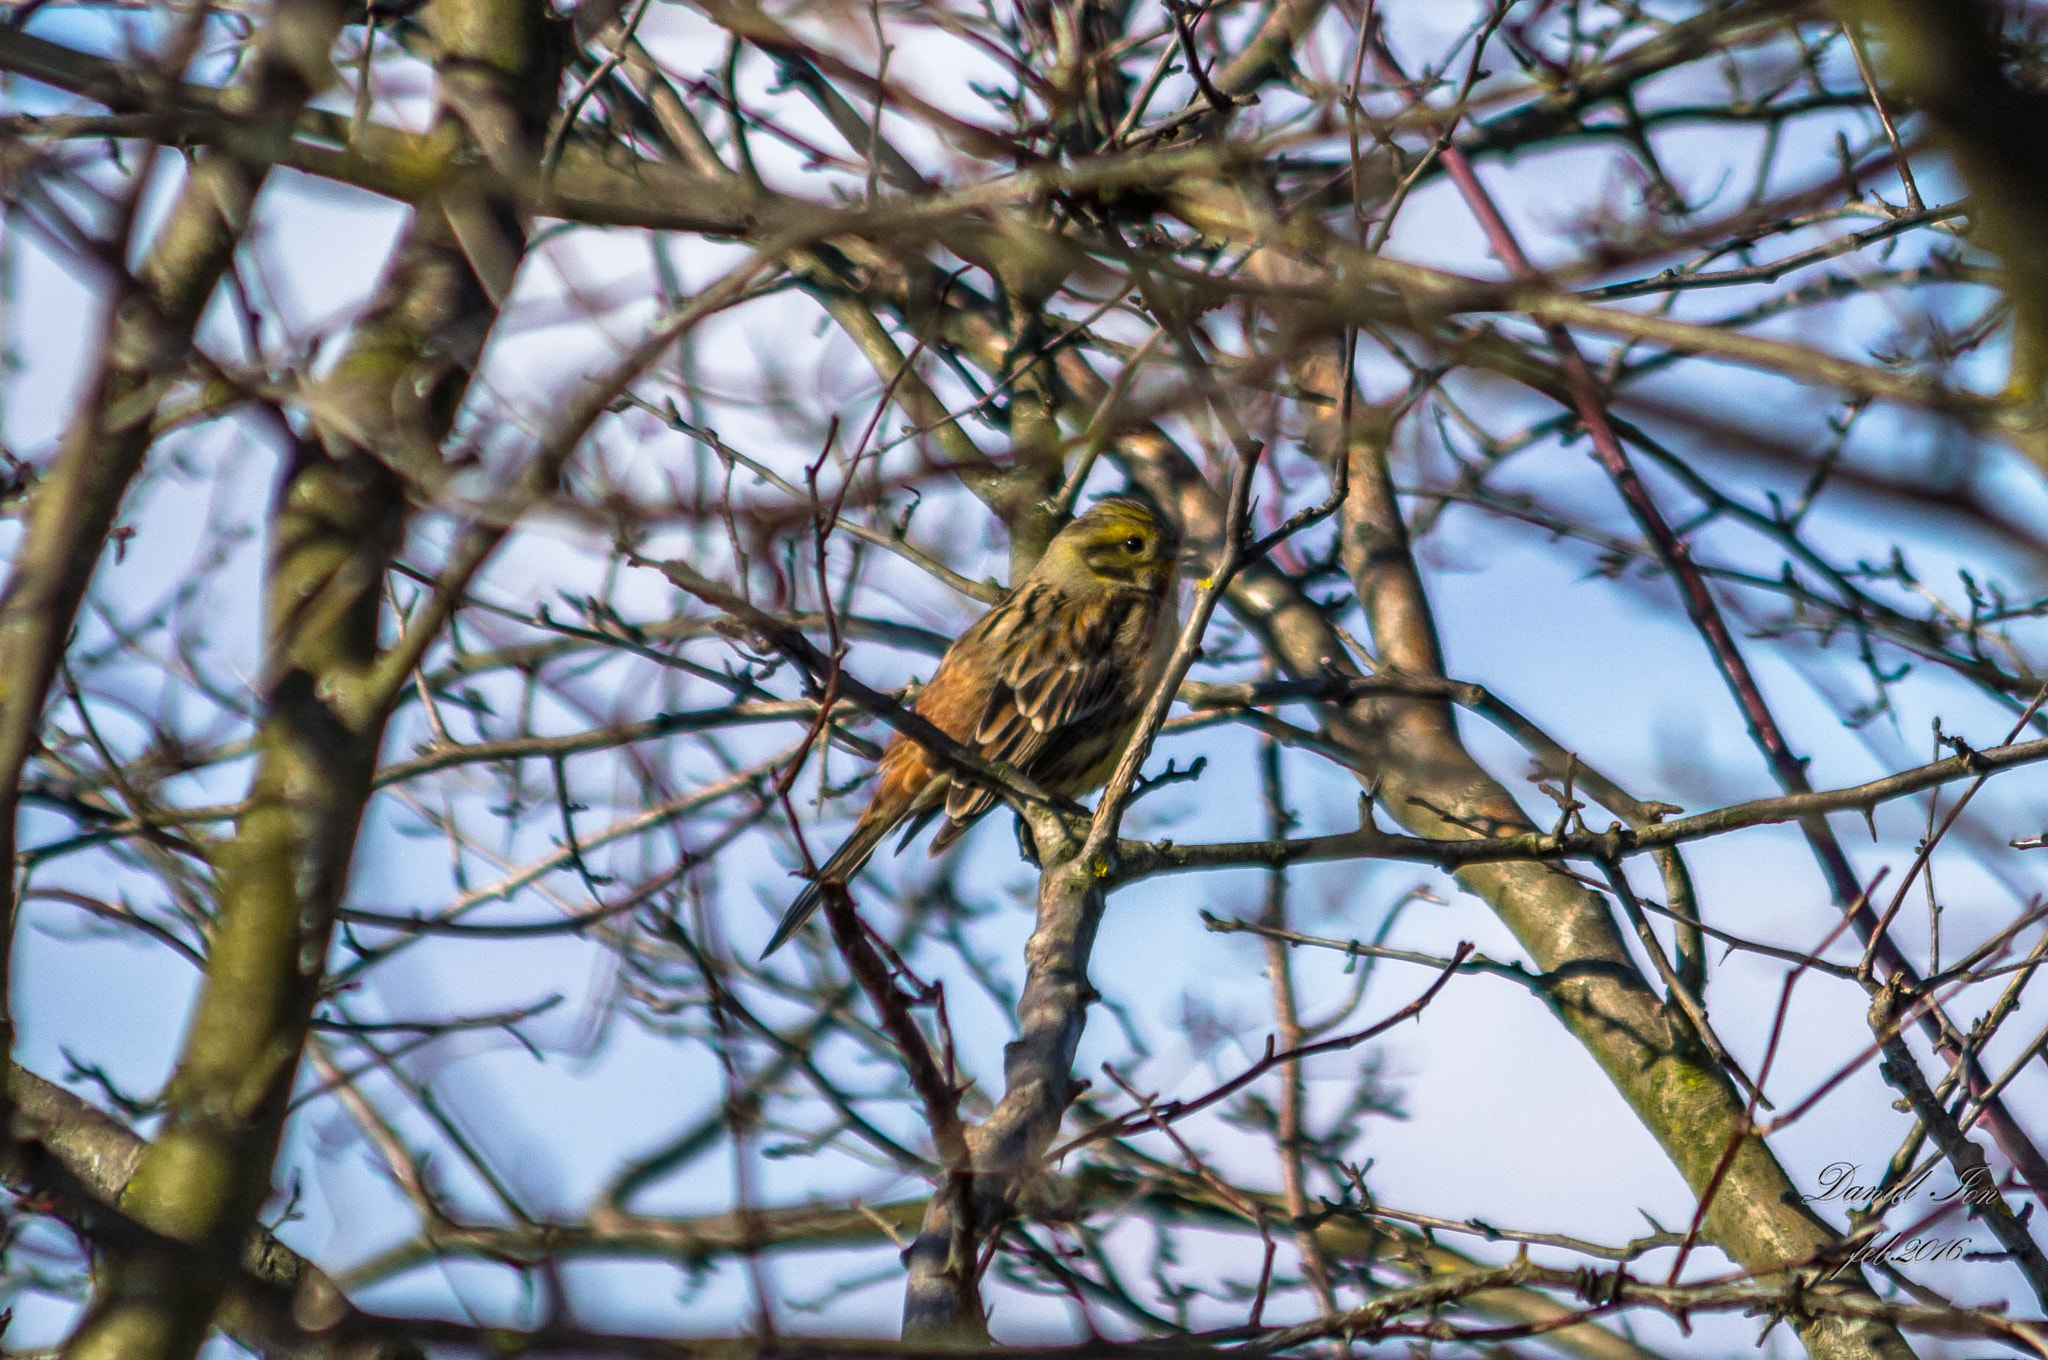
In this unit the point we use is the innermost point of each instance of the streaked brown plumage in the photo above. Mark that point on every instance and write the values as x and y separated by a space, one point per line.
1050 681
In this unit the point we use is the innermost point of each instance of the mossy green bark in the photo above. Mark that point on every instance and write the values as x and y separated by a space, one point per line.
339 514
143 345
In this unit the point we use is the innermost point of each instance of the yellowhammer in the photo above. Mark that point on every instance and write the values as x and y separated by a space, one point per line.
1051 681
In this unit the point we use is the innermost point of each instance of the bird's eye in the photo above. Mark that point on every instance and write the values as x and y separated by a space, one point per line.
1133 544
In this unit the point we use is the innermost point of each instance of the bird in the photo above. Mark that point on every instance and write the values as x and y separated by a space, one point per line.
1051 681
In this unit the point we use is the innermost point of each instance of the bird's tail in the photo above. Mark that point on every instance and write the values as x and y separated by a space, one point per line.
846 861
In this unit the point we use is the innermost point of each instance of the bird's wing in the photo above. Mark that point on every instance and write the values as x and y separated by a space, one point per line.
1055 681
1058 680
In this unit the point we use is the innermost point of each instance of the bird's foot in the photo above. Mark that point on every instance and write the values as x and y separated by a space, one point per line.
1027 844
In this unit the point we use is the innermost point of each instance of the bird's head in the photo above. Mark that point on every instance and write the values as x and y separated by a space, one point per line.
1121 541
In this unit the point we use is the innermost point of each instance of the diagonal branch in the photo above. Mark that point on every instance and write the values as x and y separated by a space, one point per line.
1700 607
1428 781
